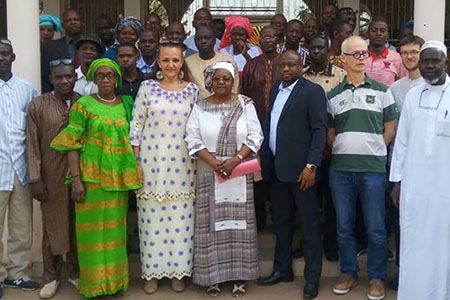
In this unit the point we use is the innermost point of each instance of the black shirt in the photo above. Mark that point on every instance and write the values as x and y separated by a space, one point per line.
131 88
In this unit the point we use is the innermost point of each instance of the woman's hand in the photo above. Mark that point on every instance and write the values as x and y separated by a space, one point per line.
225 169
140 171
77 190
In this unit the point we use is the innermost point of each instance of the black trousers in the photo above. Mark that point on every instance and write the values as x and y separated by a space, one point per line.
285 198
329 227
261 192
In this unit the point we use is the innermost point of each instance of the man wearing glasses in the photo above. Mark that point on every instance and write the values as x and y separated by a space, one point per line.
15 197
48 114
362 116
419 169
409 51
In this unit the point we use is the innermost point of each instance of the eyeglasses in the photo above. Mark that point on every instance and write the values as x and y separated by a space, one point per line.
408 53
169 42
357 54
57 62
224 79
5 42
436 106
268 38
101 76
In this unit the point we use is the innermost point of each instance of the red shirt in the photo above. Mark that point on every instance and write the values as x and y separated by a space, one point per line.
385 68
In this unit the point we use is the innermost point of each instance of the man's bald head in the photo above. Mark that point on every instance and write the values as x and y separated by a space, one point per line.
290 67
353 43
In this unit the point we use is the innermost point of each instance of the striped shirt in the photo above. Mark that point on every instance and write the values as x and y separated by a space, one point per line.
358 115
385 68
15 94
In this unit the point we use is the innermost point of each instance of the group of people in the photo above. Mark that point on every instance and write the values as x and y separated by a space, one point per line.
127 115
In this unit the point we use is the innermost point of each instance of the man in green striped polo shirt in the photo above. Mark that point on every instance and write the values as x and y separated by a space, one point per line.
362 115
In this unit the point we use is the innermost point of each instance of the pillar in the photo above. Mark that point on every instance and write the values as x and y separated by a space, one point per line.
23 31
429 19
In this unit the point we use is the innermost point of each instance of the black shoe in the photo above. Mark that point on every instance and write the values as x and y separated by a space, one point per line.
393 284
332 256
274 278
297 253
311 290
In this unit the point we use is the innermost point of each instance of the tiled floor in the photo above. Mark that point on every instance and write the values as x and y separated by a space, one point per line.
282 291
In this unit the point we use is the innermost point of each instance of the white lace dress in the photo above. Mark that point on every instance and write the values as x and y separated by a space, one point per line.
165 204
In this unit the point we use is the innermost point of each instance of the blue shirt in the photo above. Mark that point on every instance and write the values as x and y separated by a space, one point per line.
190 43
15 95
275 113
143 67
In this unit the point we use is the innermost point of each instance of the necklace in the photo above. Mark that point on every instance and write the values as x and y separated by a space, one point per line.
106 100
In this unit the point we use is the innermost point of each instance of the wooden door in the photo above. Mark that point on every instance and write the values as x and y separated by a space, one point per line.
91 9
3 21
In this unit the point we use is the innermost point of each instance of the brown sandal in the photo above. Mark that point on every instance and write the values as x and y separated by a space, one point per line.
213 290
238 290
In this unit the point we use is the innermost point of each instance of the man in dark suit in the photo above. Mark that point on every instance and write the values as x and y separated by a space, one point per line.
61 48
294 139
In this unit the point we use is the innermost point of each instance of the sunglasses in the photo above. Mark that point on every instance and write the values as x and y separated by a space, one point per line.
5 42
169 42
57 62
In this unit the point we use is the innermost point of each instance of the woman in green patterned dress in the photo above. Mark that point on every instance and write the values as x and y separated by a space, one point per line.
102 171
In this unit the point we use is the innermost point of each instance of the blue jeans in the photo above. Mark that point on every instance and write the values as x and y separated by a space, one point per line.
371 189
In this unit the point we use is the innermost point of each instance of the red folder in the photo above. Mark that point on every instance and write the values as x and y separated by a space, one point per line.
242 169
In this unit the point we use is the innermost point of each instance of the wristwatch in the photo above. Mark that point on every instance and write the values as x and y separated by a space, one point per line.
311 167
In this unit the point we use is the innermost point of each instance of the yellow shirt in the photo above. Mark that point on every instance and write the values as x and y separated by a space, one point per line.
197 65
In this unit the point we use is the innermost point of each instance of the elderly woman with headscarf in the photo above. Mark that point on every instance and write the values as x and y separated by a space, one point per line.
102 169
47 26
222 131
234 43
127 31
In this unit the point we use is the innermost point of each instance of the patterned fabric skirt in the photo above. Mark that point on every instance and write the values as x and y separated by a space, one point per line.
226 255
166 236
101 230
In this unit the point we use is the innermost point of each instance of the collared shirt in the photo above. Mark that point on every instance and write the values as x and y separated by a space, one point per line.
385 68
190 43
358 115
278 105
114 45
131 87
144 67
83 86
401 87
328 79
301 50
336 60
15 95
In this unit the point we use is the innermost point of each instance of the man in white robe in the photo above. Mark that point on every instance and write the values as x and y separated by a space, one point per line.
419 168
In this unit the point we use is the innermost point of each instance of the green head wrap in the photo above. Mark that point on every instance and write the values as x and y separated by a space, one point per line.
96 64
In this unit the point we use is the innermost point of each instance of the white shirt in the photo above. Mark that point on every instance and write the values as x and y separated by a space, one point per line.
83 86
422 164
15 95
190 43
253 51
278 105
401 87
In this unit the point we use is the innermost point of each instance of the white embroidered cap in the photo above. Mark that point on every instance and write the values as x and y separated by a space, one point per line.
434 44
